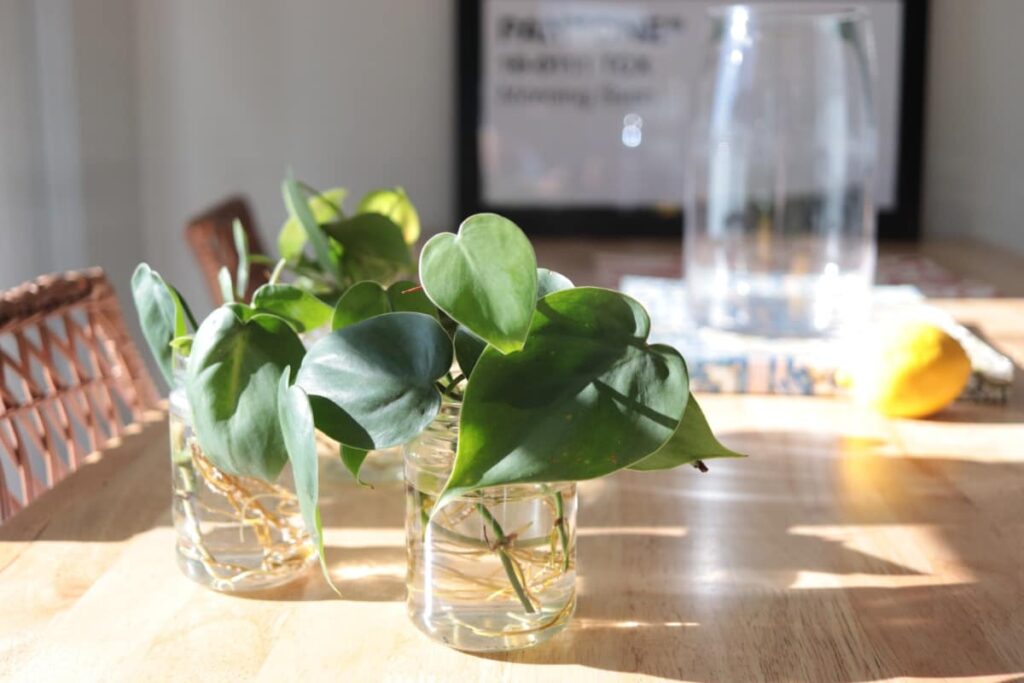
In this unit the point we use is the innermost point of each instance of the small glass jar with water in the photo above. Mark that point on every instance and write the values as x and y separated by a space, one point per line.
492 571
780 233
233 533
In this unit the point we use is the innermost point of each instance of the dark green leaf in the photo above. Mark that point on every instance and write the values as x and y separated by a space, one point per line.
468 348
692 440
162 316
373 248
485 278
395 204
296 420
405 295
585 397
301 309
298 208
360 301
353 458
232 385
242 250
372 384
550 281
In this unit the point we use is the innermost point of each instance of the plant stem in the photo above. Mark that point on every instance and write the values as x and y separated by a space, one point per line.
563 536
506 560
276 274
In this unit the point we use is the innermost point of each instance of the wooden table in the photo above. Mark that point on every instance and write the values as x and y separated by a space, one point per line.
848 547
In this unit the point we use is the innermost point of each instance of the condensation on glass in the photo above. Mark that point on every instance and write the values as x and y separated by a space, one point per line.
780 234
491 571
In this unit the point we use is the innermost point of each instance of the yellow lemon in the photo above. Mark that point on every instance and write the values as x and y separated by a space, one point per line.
909 370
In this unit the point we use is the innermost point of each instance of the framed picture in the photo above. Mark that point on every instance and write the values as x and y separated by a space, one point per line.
546 89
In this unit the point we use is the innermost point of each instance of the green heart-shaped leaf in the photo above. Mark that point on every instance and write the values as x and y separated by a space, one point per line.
163 316
485 278
302 310
324 207
404 295
361 301
691 441
352 458
372 384
549 281
372 247
585 397
296 420
232 385
393 203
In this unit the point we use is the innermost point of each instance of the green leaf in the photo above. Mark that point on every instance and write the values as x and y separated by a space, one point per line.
353 458
394 203
232 385
298 208
163 316
372 384
485 278
692 440
302 310
242 250
325 207
405 295
551 281
361 301
182 345
585 397
373 247
296 420
227 287
468 348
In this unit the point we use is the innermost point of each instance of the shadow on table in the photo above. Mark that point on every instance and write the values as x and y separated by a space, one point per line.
815 561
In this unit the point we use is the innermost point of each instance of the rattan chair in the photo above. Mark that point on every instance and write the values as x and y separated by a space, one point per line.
212 240
71 379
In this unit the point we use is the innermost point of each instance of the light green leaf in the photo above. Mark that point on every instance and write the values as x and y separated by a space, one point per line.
163 316
468 348
691 441
242 250
485 278
325 207
353 458
394 203
551 281
298 208
372 384
182 345
227 287
302 310
360 301
232 385
296 421
373 248
405 295
585 397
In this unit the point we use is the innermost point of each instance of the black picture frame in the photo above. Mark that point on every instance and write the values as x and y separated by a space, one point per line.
902 223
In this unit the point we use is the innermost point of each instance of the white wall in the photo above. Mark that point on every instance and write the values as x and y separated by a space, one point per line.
974 156
232 92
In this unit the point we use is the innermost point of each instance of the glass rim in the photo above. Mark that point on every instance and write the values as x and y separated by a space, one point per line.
791 11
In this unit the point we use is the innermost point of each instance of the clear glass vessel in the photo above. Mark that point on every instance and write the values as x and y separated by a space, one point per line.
233 533
780 234
493 571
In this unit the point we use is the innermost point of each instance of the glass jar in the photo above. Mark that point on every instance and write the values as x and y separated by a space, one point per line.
780 233
491 571
233 533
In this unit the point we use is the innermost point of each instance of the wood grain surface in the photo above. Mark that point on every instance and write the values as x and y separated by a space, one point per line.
848 547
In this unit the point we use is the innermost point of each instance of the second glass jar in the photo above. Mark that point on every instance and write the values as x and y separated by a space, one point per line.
491 571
